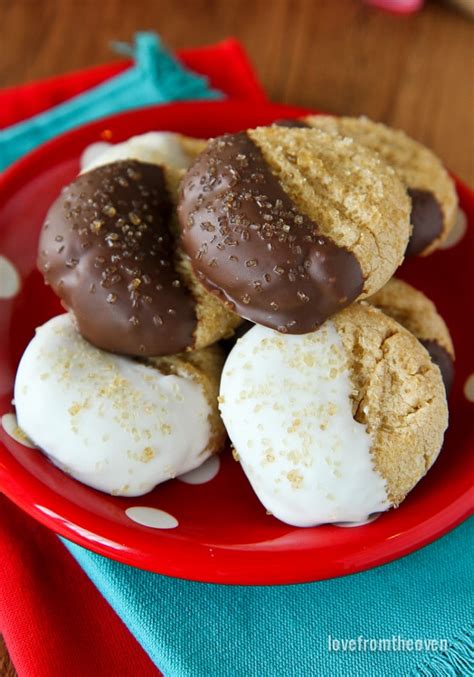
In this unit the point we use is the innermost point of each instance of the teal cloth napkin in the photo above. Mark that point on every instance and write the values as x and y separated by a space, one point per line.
156 77
202 630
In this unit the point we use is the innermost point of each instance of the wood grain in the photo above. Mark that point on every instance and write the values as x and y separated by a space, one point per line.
339 56
411 72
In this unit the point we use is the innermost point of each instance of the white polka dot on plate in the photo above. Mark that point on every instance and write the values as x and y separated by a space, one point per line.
469 388
370 519
10 426
151 517
205 473
9 279
92 153
458 231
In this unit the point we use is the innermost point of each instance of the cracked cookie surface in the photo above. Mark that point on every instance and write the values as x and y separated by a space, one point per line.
421 171
398 394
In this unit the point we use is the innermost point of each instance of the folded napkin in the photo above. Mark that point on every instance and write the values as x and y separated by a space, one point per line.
155 77
192 629
198 630
53 619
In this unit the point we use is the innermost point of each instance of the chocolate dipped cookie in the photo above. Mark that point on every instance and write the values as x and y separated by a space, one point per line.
109 249
289 226
428 184
412 309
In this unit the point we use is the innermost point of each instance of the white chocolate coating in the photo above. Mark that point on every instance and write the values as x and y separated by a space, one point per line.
91 154
285 401
154 147
107 420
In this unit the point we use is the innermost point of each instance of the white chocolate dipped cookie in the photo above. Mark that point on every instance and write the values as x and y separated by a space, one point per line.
112 422
167 148
337 424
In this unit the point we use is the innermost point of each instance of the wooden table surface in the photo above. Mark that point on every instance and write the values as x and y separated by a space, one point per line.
413 72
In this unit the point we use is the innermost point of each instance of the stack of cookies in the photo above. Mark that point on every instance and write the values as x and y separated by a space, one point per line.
334 395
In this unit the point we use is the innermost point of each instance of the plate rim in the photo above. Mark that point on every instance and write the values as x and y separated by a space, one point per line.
210 564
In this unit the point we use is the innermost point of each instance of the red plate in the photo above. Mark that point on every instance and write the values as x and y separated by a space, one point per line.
224 535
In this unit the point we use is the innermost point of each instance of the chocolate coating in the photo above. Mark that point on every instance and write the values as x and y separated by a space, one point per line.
107 251
426 218
443 359
249 243
291 122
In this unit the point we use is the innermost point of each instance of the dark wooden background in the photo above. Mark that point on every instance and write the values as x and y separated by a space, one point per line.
416 72
413 72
